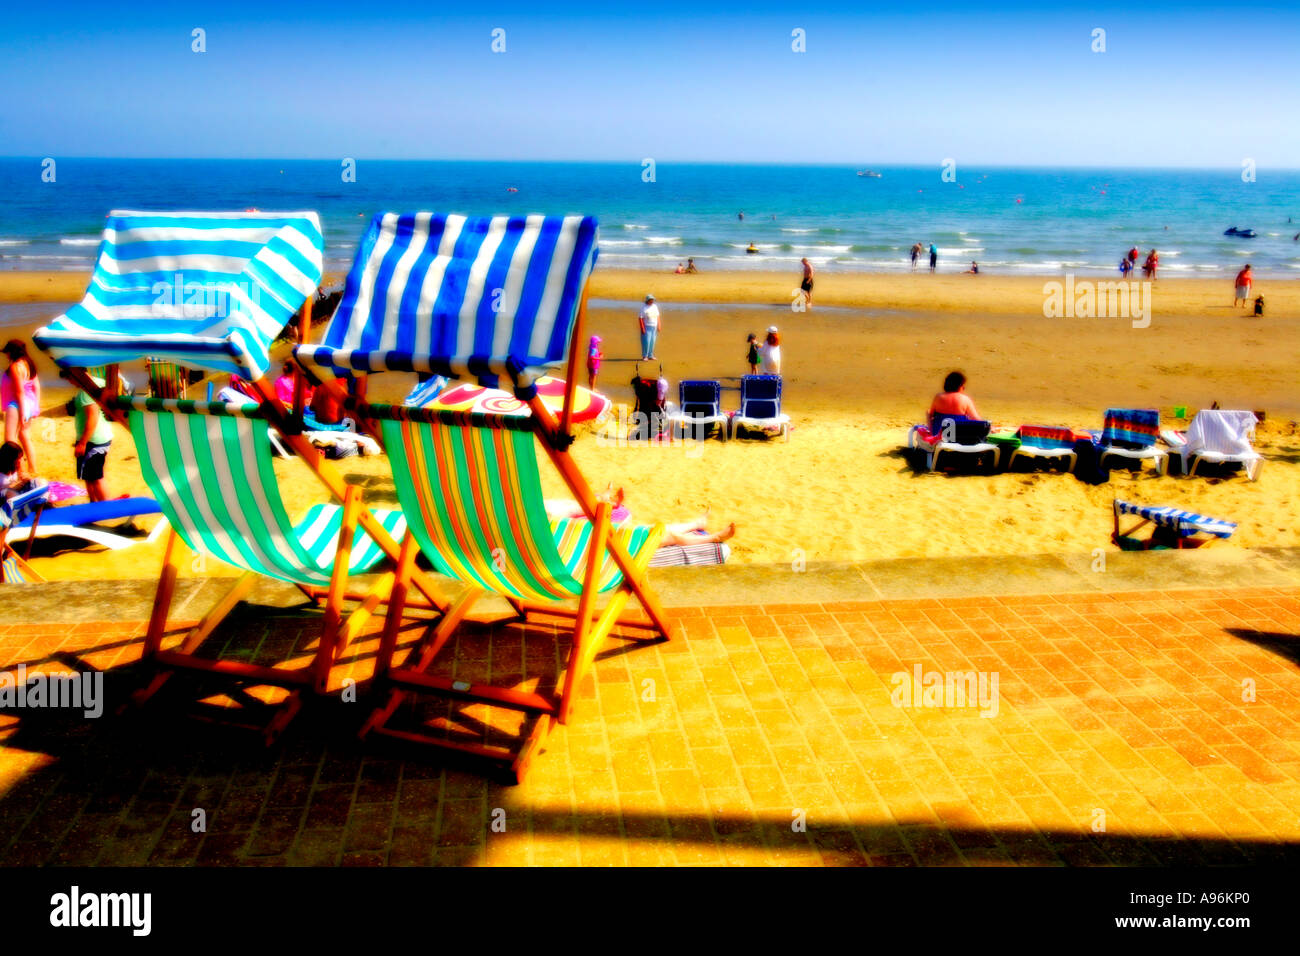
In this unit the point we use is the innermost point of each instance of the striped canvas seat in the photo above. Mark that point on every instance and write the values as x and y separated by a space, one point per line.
205 290
210 469
1185 523
13 512
459 296
474 499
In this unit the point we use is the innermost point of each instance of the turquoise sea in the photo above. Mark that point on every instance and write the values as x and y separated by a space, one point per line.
1019 221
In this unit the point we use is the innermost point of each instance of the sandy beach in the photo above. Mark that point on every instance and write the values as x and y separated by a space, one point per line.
859 369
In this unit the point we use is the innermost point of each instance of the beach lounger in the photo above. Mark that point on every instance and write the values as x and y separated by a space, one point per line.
700 408
24 507
1131 433
1182 528
953 435
690 555
1044 442
209 466
420 298
1217 436
80 521
166 379
760 406
212 291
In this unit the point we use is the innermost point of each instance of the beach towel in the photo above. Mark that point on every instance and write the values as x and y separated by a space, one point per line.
1222 432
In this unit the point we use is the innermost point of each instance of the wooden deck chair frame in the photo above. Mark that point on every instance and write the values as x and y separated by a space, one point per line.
337 630
1181 539
591 629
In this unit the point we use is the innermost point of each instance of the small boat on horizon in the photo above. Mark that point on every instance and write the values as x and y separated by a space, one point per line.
869 172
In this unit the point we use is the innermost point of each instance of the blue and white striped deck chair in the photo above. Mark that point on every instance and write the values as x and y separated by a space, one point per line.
202 289
1185 525
209 466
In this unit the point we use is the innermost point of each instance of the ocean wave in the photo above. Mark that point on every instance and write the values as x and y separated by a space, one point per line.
79 241
798 231
664 240
634 225
15 242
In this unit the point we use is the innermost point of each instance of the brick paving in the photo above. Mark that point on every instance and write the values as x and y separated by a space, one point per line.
1146 727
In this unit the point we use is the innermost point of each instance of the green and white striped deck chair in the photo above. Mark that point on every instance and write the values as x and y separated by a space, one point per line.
209 465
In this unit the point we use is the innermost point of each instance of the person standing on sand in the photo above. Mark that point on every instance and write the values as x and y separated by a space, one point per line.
594 355
806 285
20 400
1242 285
650 325
1132 258
752 353
934 257
916 254
771 351
1152 263
94 438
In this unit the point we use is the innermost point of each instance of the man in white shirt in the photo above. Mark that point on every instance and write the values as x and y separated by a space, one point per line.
650 325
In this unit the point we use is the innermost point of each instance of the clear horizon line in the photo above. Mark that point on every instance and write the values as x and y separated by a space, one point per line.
635 162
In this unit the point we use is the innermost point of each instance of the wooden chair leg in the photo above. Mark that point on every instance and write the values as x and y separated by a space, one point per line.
582 624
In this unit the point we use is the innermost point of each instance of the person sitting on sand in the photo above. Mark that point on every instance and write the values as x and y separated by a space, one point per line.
974 269
1241 291
10 484
690 267
680 270
953 400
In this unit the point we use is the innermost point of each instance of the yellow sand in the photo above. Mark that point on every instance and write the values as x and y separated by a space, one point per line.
856 377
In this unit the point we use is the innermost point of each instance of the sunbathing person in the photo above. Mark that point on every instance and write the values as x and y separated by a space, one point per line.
953 400
680 533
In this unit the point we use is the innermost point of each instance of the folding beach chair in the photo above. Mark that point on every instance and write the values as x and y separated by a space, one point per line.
760 405
209 466
501 300
1131 433
1217 436
700 408
166 379
26 506
83 521
212 290
953 435
1180 528
1044 442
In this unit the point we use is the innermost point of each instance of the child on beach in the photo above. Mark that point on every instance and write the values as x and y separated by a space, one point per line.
772 352
94 436
953 400
594 355
284 386
20 399
752 354
10 484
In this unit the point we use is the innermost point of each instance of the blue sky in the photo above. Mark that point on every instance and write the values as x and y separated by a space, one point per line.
1179 84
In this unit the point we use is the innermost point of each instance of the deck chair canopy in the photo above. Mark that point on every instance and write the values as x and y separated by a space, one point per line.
464 297
205 290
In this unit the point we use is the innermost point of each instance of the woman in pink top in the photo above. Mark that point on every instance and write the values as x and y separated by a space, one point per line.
953 400
20 399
